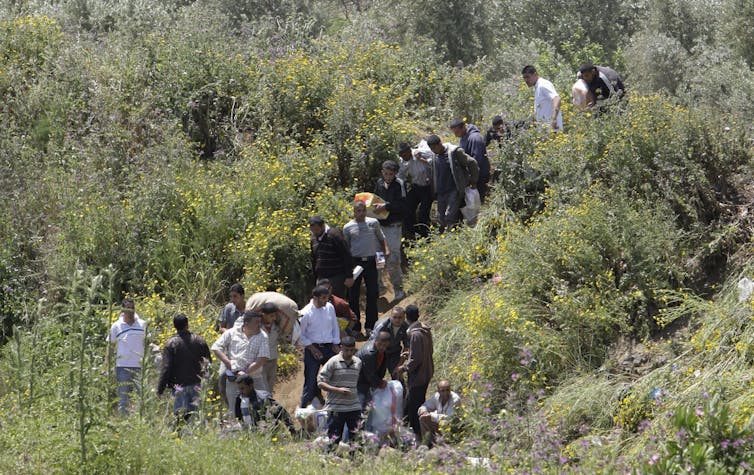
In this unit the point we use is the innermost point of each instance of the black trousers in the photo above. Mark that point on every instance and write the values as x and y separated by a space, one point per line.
419 201
369 276
415 398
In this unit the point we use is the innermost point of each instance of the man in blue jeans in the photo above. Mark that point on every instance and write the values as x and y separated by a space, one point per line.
320 337
127 335
184 358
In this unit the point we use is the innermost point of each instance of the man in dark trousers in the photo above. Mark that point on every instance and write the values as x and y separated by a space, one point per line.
473 144
365 237
416 173
453 170
184 358
419 367
391 189
373 366
331 258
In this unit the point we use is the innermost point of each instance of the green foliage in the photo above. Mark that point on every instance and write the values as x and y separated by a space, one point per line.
706 440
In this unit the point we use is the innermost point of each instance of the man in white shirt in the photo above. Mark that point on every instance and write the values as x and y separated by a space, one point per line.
127 335
320 337
436 409
243 350
546 99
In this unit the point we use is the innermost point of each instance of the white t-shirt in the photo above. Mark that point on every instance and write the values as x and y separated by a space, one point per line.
544 94
129 342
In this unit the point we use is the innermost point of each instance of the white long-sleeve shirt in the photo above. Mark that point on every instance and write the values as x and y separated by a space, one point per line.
437 409
319 325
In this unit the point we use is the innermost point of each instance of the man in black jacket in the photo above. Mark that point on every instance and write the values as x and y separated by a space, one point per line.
184 358
395 325
373 366
391 189
331 258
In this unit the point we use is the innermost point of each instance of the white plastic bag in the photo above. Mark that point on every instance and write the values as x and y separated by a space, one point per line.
473 205
388 408
745 288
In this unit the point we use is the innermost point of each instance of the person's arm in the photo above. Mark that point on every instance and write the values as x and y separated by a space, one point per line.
555 111
345 256
469 164
257 365
219 347
369 367
428 406
167 366
334 327
415 348
381 239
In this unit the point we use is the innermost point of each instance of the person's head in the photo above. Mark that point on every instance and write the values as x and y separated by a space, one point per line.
404 151
245 385
397 316
237 295
443 388
389 170
498 123
127 309
359 210
317 225
269 313
252 322
347 347
382 341
435 144
412 313
458 127
530 75
180 322
588 72
325 283
320 295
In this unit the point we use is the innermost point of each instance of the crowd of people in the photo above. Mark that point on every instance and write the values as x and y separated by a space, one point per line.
329 326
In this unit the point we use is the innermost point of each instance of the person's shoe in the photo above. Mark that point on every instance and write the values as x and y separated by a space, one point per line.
360 337
400 295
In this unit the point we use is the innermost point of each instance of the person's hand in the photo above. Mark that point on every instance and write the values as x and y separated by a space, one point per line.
554 123
315 352
387 254
378 206
335 348
473 187
344 392
348 282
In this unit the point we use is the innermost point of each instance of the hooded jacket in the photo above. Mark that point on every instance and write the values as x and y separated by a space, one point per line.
464 168
473 144
420 365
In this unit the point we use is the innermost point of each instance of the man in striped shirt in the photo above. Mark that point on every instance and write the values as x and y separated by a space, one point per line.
339 378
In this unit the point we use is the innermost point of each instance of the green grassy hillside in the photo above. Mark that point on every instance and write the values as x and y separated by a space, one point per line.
165 150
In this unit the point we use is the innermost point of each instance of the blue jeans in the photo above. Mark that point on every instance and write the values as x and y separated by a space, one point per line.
186 400
311 369
128 379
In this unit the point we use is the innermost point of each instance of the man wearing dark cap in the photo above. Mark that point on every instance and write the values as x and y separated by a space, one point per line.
473 144
391 189
331 258
452 172
416 173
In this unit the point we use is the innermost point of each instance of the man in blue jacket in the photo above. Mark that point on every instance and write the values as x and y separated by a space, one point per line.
472 142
